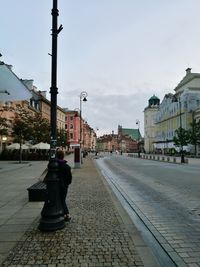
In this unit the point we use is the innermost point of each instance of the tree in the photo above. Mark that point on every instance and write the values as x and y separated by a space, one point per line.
181 139
4 125
21 129
40 129
194 134
62 138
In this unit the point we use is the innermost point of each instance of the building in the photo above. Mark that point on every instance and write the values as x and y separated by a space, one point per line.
72 126
13 94
176 110
130 140
22 94
79 131
108 143
126 140
11 87
149 125
42 105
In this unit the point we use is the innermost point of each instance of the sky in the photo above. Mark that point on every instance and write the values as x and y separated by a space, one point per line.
120 52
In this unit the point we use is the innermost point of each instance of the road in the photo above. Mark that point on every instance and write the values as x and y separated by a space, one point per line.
163 199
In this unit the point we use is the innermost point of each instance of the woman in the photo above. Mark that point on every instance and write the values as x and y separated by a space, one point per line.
65 177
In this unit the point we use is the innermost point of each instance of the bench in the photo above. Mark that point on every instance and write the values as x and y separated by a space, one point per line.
37 192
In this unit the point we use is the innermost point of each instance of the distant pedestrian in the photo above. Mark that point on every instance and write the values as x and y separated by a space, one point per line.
65 177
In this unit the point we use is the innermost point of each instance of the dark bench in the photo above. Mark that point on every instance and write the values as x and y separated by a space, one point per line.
37 192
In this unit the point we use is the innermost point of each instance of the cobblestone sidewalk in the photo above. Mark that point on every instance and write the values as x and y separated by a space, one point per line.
95 237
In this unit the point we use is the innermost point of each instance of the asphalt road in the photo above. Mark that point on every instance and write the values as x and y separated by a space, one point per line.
166 199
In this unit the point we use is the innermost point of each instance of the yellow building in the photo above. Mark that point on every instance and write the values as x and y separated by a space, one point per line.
149 125
175 110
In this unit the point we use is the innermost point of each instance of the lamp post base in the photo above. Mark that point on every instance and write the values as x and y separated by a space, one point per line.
51 224
52 213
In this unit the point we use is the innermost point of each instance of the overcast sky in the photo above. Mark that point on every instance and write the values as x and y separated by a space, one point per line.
120 52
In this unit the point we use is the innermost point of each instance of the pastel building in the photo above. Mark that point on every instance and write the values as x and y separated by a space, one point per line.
176 110
149 123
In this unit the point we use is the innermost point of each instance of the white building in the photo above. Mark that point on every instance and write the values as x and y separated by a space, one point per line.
175 110
149 124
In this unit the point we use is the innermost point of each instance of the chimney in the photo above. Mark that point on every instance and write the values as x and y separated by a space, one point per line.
43 93
28 83
188 71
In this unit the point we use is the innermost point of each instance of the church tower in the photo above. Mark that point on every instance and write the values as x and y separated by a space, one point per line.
149 126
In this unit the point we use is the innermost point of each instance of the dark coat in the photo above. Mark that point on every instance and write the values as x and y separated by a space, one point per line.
65 174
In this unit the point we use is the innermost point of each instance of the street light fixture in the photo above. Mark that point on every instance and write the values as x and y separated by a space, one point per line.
52 212
83 97
138 146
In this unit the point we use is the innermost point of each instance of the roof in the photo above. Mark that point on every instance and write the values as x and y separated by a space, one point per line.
11 87
154 98
133 133
187 78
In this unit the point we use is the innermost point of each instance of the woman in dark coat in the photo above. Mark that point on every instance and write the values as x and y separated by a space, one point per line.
65 177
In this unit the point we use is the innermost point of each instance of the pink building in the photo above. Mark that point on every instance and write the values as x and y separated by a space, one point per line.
73 124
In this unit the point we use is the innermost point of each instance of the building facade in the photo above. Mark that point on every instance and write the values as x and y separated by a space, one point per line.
149 125
126 140
79 131
176 110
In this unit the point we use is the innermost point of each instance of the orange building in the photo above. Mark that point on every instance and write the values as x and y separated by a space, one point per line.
36 102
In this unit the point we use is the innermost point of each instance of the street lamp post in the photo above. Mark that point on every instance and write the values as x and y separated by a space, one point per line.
182 154
176 99
52 215
83 97
138 146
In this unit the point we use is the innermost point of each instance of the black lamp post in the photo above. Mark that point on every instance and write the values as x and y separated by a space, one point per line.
138 145
52 212
176 99
83 97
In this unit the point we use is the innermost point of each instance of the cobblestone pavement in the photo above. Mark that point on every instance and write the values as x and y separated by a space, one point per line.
95 237
168 204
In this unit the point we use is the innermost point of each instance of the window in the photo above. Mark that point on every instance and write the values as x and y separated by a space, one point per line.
71 135
71 118
71 126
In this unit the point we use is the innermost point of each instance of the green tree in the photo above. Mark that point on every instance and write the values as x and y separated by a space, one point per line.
40 129
181 139
62 138
21 129
194 134
4 125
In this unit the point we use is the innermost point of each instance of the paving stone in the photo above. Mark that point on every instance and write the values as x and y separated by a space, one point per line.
96 235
